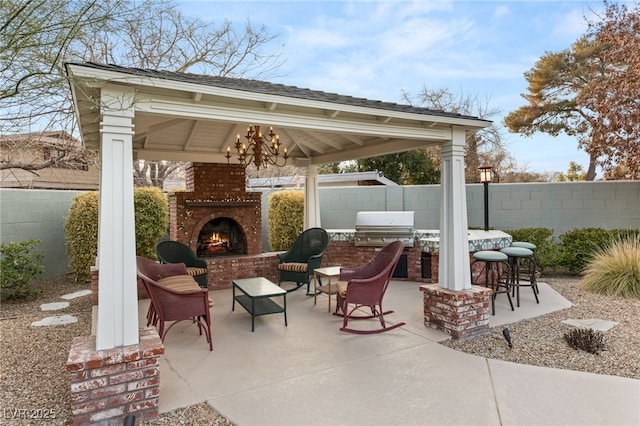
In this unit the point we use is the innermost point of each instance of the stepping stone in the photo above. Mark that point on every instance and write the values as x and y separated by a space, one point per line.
76 294
57 320
54 306
594 324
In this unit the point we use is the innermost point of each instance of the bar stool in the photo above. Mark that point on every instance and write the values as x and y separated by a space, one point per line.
494 261
533 267
516 255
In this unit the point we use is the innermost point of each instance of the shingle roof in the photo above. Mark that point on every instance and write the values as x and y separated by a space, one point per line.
257 86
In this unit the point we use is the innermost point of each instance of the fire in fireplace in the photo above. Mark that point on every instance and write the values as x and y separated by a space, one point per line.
221 236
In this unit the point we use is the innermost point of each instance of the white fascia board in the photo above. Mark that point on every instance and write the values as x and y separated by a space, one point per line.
124 78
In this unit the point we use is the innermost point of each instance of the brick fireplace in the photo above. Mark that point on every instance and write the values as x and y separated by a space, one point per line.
221 222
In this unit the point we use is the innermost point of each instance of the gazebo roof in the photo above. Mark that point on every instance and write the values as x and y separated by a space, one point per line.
191 117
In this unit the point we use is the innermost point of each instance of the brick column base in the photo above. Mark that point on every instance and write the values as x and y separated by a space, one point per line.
461 314
109 384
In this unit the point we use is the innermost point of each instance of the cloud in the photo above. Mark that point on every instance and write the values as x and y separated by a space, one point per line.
572 25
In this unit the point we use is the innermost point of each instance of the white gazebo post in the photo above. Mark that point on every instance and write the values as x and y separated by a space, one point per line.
311 200
119 343
453 270
467 307
117 323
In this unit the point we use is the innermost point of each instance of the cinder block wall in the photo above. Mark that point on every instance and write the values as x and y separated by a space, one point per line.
38 214
27 214
557 206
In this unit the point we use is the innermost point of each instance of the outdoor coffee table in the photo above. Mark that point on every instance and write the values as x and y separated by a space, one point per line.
256 297
329 272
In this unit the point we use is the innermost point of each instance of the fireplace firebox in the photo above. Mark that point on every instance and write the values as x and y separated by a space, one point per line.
221 236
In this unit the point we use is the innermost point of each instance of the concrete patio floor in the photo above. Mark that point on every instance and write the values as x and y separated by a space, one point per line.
310 373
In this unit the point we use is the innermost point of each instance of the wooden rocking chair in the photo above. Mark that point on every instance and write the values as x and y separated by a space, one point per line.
365 286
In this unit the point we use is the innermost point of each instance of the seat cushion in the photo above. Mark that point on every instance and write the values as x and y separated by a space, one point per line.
182 283
193 271
179 282
293 267
490 256
517 252
342 288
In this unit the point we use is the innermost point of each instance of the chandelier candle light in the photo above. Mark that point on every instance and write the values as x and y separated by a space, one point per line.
260 149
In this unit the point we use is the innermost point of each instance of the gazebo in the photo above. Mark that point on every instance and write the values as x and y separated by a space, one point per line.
130 113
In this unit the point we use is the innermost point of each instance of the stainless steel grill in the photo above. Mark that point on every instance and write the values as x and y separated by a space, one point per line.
377 229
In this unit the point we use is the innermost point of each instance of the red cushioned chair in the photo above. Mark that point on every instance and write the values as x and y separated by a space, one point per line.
175 296
365 286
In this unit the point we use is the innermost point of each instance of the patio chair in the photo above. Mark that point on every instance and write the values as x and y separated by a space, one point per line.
297 264
175 296
365 286
175 252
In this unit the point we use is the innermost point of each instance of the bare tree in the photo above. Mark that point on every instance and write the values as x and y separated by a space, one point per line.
35 38
40 35
485 146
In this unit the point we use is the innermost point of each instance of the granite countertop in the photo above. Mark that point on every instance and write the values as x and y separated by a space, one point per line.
429 239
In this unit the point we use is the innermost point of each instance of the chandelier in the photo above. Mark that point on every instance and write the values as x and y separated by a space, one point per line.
261 150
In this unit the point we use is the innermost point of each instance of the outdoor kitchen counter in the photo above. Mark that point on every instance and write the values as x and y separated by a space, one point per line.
429 239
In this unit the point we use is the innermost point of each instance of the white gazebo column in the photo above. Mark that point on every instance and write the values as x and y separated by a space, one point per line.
467 307
119 343
454 266
117 323
311 199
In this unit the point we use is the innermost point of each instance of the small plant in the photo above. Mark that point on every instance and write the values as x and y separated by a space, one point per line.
20 264
615 270
585 339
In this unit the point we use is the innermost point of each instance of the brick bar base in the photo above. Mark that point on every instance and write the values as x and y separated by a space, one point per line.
107 385
461 314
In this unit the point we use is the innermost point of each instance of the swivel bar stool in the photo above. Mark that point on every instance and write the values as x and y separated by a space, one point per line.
533 266
495 267
516 255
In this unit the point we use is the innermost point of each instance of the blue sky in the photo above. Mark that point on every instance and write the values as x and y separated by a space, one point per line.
376 49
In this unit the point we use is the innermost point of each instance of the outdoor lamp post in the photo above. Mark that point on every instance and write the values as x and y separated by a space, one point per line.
485 177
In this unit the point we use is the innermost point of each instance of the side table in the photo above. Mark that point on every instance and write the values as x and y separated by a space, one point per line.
329 272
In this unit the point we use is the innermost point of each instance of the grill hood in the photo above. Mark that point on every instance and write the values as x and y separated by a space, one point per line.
377 229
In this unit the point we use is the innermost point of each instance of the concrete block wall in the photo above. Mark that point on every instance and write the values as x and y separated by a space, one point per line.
558 206
27 214
38 214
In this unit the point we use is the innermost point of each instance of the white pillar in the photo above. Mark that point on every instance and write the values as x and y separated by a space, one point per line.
311 200
117 323
453 273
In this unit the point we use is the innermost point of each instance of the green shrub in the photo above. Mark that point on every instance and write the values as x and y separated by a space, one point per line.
547 250
81 231
152 219
285 218
615 270
81 227
580 245
20 264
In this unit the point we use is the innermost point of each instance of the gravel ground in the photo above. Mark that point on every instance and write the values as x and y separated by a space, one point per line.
34 380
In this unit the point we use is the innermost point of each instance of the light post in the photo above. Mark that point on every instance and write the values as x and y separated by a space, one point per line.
485 177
